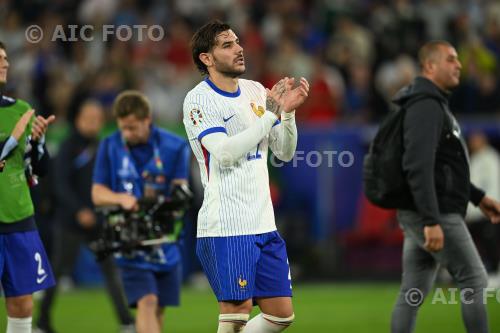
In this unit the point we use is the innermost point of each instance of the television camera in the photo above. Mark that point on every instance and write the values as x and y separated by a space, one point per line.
158 220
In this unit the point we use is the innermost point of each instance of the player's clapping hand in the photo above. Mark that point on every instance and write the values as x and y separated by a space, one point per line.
295 97
2 165
491 209
21 124
275 96
40 125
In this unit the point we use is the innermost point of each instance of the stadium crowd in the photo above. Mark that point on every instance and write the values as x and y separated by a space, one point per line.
356 54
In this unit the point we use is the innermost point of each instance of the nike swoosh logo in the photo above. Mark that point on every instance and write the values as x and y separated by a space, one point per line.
227 119
39 280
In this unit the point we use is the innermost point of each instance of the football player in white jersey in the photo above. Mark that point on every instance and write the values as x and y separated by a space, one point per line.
231 123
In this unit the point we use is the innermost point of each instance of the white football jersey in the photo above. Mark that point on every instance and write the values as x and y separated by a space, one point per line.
237 199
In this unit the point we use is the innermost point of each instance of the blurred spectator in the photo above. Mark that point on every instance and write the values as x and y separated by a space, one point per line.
492 28
178 52
485 172
359 95
100 10
253 44
476 59
349 41
76 222
479 91
397 28
292 38
392 76
12 32
437 14
107 85
290 60
325 96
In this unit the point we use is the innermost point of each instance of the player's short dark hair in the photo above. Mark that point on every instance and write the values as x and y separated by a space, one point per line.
2 46
429 50
131 102
204 39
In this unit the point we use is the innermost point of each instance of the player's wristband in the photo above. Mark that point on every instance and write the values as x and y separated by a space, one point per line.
287 115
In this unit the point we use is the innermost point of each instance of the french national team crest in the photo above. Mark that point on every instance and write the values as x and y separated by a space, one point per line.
196 116
257 109
242 282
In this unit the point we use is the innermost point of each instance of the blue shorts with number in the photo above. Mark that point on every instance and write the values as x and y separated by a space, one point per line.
24 266
246 267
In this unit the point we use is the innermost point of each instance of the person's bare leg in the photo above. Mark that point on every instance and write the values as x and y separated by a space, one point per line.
19 313
146 319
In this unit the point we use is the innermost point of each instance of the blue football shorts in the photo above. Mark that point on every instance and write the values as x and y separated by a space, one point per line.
246 267
138 283
24 266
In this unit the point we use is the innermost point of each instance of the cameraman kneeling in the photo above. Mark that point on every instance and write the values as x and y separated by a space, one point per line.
141 160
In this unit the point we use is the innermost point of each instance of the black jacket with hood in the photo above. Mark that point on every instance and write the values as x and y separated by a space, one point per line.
435 158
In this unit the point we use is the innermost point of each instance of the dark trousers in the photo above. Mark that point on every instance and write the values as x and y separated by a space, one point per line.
66 247
459 256
487 237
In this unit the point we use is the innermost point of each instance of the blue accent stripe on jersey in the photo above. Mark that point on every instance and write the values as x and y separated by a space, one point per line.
277 122
222 92
210 131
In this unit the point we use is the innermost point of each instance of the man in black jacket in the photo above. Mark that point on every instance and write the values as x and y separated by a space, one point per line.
76 222
436 165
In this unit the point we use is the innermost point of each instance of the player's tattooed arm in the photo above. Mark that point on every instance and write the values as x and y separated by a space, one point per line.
274 100
273 106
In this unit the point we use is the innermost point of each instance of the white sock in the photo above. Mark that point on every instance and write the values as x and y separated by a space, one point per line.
19 325
232 322
264 323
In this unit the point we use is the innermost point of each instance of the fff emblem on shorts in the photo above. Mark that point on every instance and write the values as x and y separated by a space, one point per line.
242 282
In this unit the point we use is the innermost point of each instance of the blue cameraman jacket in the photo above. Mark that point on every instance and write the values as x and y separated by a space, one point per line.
122 168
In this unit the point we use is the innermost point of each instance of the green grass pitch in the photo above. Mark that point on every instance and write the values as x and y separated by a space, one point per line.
355 308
